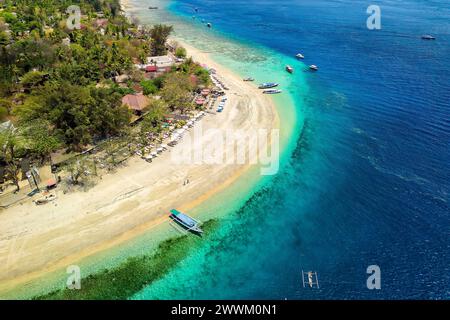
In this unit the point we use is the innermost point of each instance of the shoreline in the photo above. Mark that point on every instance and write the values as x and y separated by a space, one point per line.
260 108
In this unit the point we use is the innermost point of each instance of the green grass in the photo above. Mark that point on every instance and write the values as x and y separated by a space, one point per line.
122 282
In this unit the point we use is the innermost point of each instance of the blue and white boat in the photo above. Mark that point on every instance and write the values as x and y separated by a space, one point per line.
190 224
268 85
273 91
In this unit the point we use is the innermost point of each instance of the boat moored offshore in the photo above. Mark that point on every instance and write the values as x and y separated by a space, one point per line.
289 69
272 91
268 85
428 37
299 56
313 67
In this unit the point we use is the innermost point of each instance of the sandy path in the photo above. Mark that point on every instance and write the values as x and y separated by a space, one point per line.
36 240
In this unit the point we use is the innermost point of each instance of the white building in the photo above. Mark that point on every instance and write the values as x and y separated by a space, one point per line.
161 61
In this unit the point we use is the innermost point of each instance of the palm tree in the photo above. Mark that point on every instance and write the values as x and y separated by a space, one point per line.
12 148
157 110
159 34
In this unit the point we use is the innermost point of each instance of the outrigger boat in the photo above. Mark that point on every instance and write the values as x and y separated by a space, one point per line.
273 91
190 224
310 279
289 69
249 79
268 85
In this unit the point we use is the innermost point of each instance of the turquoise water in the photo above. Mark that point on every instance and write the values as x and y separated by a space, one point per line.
244 59
365 169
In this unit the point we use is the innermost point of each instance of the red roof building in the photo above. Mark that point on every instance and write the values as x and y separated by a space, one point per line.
151 69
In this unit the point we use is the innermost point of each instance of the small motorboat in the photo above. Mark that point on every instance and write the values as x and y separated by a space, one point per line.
190 224
249 79
289 69
268 85
299 56
272 91
313 67
209 25
428 37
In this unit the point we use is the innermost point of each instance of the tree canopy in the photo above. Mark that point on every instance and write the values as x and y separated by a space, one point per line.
159 34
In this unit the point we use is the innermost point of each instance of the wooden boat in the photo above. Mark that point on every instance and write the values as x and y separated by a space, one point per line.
289 69
153 8
249 79
313 67
190 224
209 25
268 85
272 91
299 56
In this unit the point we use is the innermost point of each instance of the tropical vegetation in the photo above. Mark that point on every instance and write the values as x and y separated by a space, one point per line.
57 84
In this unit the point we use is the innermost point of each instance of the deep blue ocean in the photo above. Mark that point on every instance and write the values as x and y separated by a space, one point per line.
368 182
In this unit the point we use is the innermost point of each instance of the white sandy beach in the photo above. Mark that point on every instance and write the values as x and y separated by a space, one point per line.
36 240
